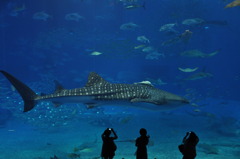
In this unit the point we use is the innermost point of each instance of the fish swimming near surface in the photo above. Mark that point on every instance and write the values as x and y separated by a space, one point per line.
98 91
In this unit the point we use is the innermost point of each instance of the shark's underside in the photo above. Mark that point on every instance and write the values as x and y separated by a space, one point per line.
97 92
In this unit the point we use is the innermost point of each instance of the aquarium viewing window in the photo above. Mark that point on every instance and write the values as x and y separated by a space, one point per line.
93 79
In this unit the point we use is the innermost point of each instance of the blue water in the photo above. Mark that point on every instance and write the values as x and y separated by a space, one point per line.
40 49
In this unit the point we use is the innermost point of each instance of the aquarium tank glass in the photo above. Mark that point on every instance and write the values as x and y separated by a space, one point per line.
72 69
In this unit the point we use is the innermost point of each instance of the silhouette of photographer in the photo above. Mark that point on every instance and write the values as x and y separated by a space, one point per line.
108 146
188 146
141 144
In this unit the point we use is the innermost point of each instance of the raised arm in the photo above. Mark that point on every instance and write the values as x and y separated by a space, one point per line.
114 133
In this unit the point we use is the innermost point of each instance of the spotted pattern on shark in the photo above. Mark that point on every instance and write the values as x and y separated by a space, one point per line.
97 91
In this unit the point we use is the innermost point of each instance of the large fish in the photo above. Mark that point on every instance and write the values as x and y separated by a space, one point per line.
97 92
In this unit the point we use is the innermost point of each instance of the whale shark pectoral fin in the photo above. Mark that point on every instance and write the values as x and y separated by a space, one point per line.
56 104
90 105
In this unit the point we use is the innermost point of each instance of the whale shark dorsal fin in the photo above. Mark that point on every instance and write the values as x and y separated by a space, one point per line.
95 79
58 87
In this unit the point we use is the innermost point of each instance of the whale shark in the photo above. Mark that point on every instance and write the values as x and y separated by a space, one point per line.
99 92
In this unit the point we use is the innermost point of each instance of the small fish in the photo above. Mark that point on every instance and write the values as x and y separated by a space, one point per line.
79 149
197 110
73 17
194 105
87 150
148 49
199 75
143 39
41 16
134 6
188 69
11 130
139 46
193 21
17 10
154 55
167 27
96 53
184 37
233 4
129 26
85 147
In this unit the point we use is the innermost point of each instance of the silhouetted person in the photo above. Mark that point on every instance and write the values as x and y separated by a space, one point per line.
108 146
189 149
141 144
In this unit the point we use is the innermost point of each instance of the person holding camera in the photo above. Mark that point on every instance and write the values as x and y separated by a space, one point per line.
108 146
141 144
188 147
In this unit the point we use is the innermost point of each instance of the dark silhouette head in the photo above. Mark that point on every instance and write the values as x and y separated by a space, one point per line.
143 132
107 132
191 136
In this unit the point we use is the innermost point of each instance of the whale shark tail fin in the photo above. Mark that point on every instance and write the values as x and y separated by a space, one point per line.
27 94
